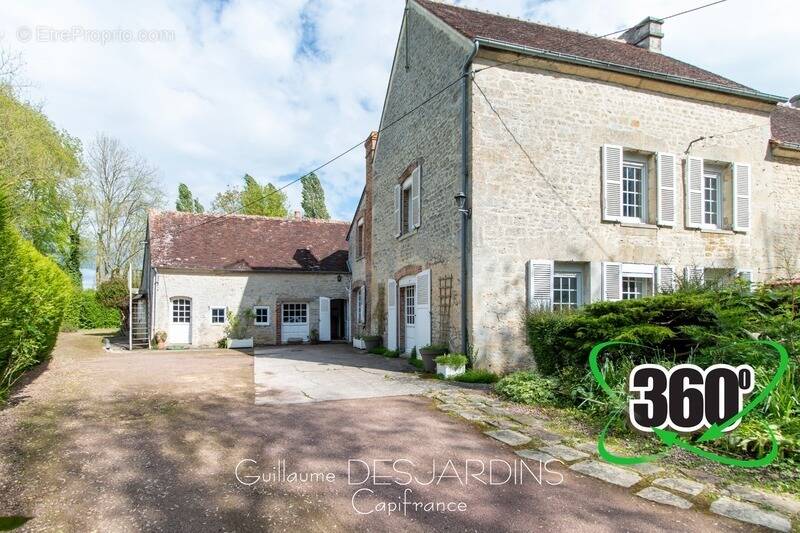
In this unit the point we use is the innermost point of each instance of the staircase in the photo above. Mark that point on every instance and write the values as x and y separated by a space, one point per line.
139 338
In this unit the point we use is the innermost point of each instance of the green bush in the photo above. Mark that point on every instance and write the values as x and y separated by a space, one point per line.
528 387
476 376
385 352
452 359
34 294
94 315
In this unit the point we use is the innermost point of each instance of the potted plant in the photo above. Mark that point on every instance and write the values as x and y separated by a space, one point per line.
429 353
371 341
160 338
451 365
358 342
236 329
314 337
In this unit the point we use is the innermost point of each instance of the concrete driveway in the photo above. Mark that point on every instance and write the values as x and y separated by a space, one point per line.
316 373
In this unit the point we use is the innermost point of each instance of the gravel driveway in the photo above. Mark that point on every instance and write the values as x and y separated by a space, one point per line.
151 441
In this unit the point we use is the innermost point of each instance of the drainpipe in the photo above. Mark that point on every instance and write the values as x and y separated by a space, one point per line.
465 211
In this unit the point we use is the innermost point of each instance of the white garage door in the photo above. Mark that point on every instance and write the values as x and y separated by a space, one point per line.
294 322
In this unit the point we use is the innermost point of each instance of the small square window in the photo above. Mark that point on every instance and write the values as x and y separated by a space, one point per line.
217 315
261 315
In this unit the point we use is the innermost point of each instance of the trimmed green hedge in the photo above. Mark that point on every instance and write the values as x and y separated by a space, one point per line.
34 293
94 315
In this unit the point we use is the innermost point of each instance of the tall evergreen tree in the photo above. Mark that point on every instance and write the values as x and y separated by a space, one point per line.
264 200
72 261
198 207
185 202
313 202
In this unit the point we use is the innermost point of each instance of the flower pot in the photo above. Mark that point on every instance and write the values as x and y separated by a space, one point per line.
162 345
358 343
371 342
239 343
449 371
429 358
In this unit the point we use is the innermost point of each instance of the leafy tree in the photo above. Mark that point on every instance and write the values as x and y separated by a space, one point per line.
313 202
186 202
229 201
113 293
264 200
198 207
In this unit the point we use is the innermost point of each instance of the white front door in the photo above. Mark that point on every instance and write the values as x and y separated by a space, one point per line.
324 318
180 327
410 295
294 322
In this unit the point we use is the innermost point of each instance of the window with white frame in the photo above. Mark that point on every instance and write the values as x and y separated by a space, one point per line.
360 239
361 305
633 288
567 290
712 198
634 191
295 313
218 315
410 292
261 313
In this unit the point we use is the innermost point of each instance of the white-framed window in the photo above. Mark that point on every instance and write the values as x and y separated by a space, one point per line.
634 191
361 305
567 289
218 315
712 198
410 292
295 313
633 288
360 238
181 311
261 315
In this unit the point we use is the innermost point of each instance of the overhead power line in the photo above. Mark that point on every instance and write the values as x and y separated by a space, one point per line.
424 103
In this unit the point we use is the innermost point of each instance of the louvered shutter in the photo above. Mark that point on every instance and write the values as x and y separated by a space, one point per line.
391 314
741 197
667 179
415 196
540 285
612 281
665 278
398 219
694 192
612 182
693 274
422 309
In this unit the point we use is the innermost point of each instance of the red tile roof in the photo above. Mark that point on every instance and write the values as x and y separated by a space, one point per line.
246 243
473 24
786 124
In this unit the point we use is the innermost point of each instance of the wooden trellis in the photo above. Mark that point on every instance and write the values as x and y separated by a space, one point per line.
445 305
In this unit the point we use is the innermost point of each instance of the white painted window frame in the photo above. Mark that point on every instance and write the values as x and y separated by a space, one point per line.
639 162
718 172
407 209
224 314
256 309
283 308
578 277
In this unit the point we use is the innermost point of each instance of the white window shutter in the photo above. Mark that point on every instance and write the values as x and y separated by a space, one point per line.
361 305
422 310
667 170
398 219
539 285
391 315
612 281
665 278
415 196
612 182
741 197
694 192
694 274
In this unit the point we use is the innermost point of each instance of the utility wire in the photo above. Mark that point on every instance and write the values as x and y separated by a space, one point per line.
707 137
423 103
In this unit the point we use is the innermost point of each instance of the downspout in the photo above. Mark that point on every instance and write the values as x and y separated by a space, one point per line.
466 77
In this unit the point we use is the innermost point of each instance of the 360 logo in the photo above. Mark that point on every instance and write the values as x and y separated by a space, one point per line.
687 398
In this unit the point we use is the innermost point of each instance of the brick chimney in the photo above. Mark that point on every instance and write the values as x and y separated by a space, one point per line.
297 215
647 34
369 158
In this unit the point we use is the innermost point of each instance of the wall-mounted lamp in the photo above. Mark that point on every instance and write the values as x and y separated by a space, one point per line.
339 277
461 202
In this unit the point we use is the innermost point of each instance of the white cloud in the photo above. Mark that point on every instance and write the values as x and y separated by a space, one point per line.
276 87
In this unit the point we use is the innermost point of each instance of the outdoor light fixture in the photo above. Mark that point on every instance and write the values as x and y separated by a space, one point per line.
339 277
461 201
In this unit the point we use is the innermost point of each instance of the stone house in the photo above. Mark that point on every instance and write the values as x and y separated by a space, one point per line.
287 279
548 168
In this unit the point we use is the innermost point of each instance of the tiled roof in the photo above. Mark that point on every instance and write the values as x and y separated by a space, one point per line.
246 243
786 124
473 24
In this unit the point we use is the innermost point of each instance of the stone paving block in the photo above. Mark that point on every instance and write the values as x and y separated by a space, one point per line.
747 512
587 447
449 407
647 469
543 435
502 423
471 415
663 497
535 455
608 473
526 420
509 436
565 453
686 486
785 504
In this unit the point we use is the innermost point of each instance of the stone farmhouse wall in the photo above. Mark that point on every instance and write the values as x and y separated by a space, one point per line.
238 291
549 206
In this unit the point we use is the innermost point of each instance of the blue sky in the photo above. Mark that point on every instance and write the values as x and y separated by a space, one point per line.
274 88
